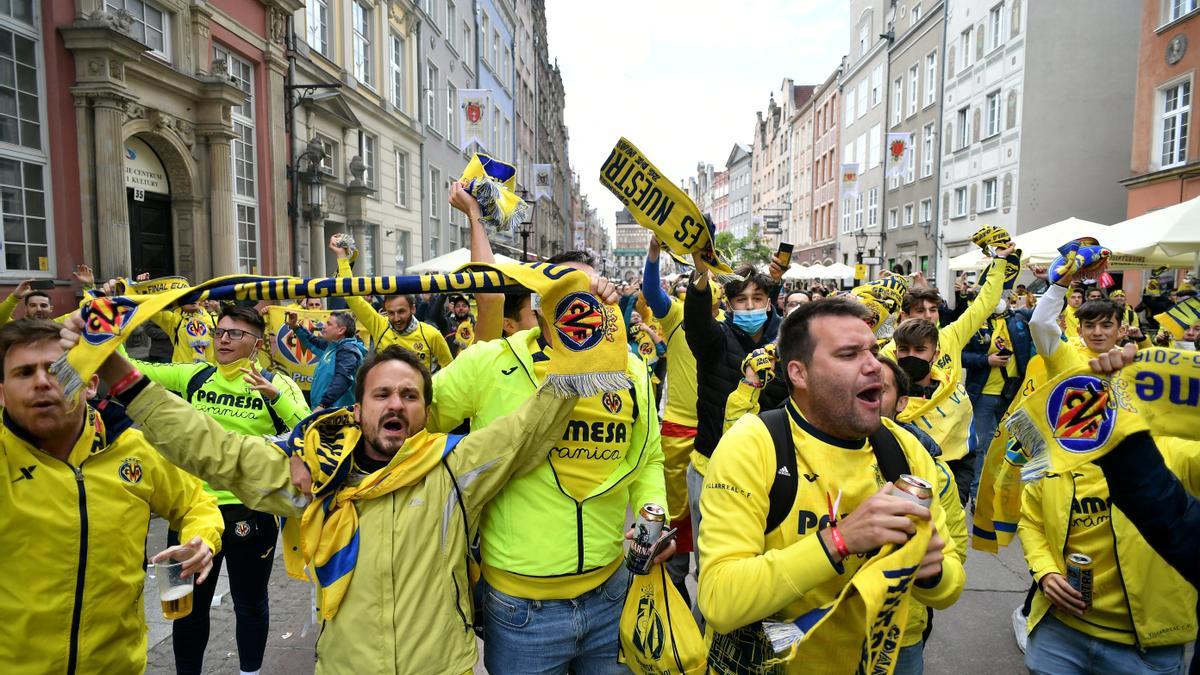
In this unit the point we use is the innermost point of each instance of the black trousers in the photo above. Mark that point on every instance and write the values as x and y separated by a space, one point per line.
248 546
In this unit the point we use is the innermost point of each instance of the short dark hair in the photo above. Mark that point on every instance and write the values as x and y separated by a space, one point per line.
1074 290
796 342
749 276
32 294
1094 310
581 257
25 332
412 300
345 320
920 295
393 353
514 303
246 315
901 377
916 332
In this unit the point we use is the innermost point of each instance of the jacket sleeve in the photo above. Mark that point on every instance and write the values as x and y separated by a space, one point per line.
954 337
1146 490
7 307
739 581
743 401
168 320
1043 325
290 404
703 333
1032 532
956 517
345 363
650 484
514 445
173 376
251 467
656 298
306 338
182 500
456 388
949 584
973 358
362 310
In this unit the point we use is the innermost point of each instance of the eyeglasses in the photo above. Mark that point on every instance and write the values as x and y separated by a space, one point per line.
234 334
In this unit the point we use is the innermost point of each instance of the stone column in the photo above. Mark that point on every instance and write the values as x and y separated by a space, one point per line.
112 209
316 248
222 224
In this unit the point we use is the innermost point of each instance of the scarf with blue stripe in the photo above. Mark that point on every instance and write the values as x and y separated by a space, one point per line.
326 540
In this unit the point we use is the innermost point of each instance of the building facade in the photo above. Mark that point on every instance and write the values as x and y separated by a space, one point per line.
629 251
552 218
739 166
863 88
720 201
914 108
799 222
525 114
1007 157
826 174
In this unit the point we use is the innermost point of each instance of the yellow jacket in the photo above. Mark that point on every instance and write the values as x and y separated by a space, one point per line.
72 545
408 606
1161 603
191 333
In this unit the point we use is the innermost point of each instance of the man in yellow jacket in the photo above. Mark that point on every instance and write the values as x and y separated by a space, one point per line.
386 508
749 571
78 488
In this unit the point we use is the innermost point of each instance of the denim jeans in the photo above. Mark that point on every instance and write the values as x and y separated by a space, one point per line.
987 410
1056 649
911 660
551 636
695 482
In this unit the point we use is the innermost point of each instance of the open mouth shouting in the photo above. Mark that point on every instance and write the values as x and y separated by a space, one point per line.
870 396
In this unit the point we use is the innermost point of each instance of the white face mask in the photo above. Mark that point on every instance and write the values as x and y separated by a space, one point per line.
1185 345
1001 307
535 301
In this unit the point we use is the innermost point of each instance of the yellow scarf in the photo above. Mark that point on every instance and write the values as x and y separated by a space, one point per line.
660 206
327 539
589 333
1180 317
884 297
879 595
152 286
1079 416
493 183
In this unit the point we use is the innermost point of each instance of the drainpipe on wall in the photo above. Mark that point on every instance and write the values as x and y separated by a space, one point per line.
294 207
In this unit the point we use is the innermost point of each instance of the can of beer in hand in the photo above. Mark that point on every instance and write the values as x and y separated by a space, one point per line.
646 531
1079 575
913 488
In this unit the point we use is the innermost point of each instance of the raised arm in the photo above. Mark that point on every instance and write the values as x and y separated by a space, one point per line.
362 310
489 316
954 337
656 298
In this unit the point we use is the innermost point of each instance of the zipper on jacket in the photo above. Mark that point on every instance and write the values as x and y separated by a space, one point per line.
76 614
579 534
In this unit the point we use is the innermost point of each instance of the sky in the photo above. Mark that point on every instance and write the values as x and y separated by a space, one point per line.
681 80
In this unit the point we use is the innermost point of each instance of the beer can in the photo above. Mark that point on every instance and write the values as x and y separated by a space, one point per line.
913 488
1079 575
646 532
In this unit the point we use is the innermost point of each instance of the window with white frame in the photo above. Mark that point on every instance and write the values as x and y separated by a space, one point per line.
495 144
242 156
873 207
432 118
368 251
926 210
862 97
894 181
846 203
451 24
24 165
468 44
401 179
893 219
151 24
908 215
451 110
910 167
485 31
1173 127
876 85
914 80
996 27
964 49
875 154
316 15
897 100
960 202
863 42
989 195
396 62
435 193
914 15
849 100
858 212
364 68
860 150
992 109
1181 7
495 50
927 150
506 139
329 164
963 127
506 67
931 77
370 158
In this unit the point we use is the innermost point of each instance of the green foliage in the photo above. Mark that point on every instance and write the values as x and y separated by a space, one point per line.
750 248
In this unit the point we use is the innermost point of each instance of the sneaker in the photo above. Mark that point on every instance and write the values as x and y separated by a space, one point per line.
1019 631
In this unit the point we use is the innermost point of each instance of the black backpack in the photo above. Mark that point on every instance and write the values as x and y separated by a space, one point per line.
201 376
892 463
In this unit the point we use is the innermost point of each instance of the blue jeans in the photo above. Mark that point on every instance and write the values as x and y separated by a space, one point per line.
695 482
1056 649
549 636
987 410
911 660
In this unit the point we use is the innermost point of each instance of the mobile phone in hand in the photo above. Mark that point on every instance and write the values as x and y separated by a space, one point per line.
785 254
41 284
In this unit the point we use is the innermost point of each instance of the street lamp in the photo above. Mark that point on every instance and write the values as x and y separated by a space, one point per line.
526 226
313 155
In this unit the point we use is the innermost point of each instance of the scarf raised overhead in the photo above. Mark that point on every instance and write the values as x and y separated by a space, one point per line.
884 297
493 183
1180 317
590 334
1080 416
660 206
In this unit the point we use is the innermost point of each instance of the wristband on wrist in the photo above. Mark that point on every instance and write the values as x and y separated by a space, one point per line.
838 542
125 382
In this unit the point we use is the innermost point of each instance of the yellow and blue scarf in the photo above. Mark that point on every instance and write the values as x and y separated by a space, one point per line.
1180 317
493 184
884 297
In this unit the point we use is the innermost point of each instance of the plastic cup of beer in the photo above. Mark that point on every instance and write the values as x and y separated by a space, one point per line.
174 592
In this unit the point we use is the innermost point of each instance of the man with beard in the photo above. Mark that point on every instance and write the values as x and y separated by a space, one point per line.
386 508
753 569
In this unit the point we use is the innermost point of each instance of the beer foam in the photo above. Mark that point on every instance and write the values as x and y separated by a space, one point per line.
175 593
